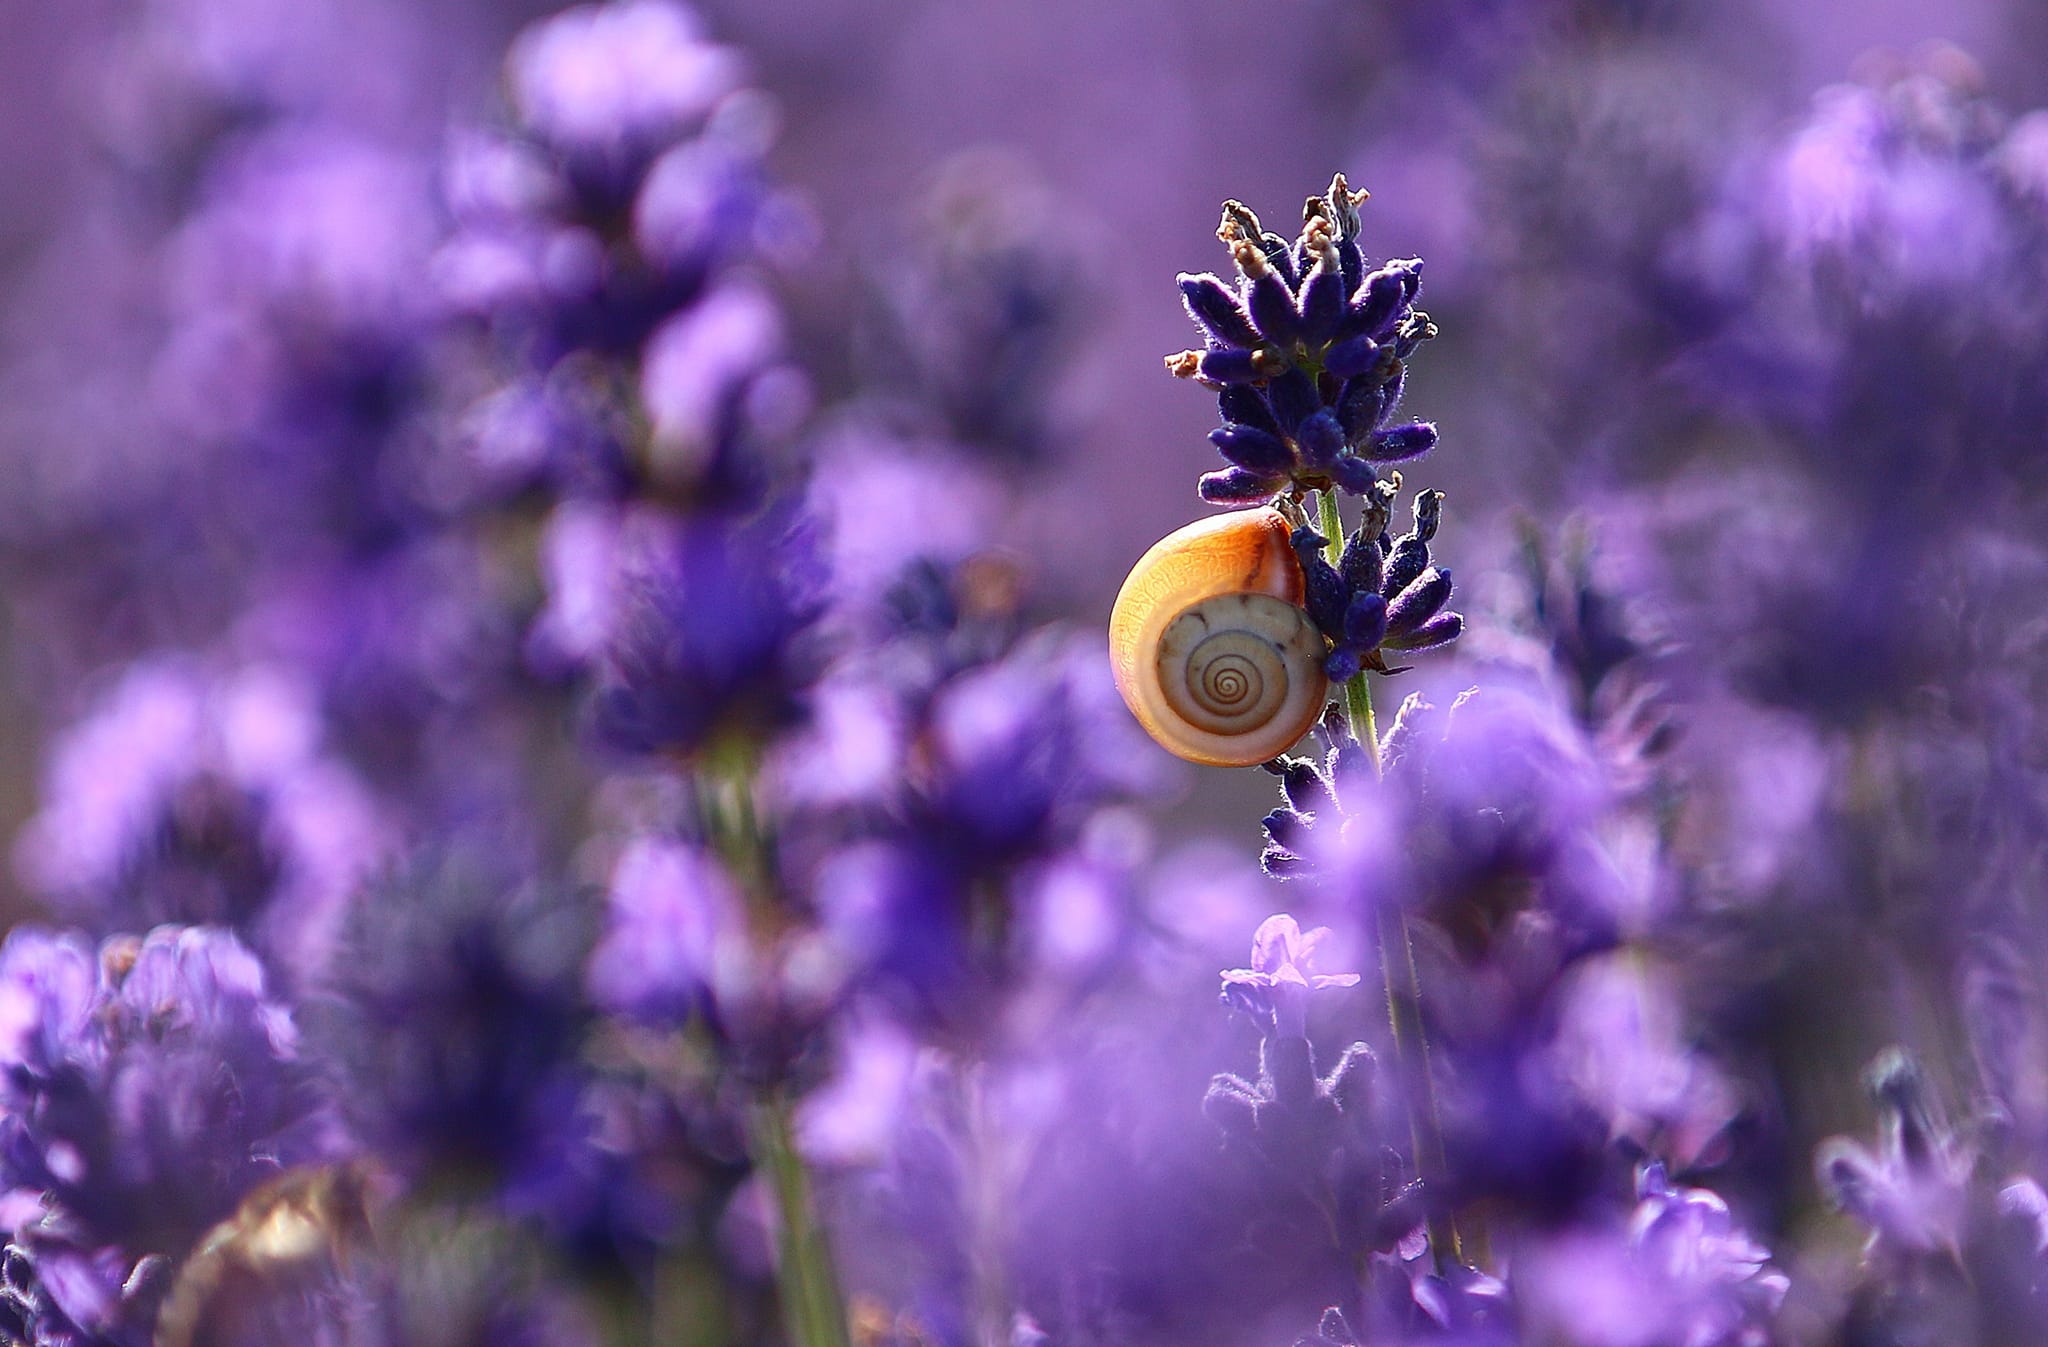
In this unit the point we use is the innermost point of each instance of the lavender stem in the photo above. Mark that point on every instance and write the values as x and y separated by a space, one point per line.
1411 1045
812 1307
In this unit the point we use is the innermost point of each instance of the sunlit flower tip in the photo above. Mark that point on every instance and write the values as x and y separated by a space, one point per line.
1402 443
1274 989
1303 784
1378 303
1322 294
1211 304
1231 366
1424 597
1254 450
1238 486
1271 303
596 77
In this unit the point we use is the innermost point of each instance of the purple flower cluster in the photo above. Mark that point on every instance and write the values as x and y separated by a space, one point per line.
150 1084
561 791
1308 354
1382 594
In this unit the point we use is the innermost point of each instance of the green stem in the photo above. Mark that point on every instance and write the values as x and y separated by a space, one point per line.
1358 708
812 1308
1404 1024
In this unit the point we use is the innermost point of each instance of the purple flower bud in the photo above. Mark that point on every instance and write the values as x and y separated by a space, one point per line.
1324 590
1419 602
1321 440
1402 442
1322 301
1280 256
1211 304
1343 662
1287 829
1439 630
1352 356
1360 563
1364 400
1245 405
1353 474
1294 398
1254 450
1352 261
1272 308
1306 790
1404 563
1232 366
1377 302
1238 486
1365 621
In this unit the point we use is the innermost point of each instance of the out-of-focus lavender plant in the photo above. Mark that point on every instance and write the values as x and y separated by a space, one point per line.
565 843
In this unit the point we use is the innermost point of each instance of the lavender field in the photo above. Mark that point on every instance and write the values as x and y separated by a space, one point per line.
965 673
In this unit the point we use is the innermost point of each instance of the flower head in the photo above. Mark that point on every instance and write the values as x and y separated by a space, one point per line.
1274 990
1307 352
148 1084
1383 594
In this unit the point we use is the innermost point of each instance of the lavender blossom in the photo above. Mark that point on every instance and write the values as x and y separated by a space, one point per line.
1383 593
150 1083
1948 1252
1683 1275
692 628
601 241
1007 755
451 1014
1274 990
1307 353
195 798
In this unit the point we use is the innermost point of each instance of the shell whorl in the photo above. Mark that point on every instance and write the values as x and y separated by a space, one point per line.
1212 650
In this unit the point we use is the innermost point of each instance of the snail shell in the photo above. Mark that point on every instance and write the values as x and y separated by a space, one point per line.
1212 649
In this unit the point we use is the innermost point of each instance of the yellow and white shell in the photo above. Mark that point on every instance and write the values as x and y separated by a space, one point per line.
1211 647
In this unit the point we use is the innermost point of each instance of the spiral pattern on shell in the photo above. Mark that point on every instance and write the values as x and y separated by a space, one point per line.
1212 649
1224 663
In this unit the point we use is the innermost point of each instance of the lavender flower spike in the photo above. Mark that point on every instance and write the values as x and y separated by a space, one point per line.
1274 990
1307 352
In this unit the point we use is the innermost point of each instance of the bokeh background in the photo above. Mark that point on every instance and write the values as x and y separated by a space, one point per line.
1741 397
1551 161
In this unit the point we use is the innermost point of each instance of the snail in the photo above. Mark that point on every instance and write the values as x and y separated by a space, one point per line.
1211 646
